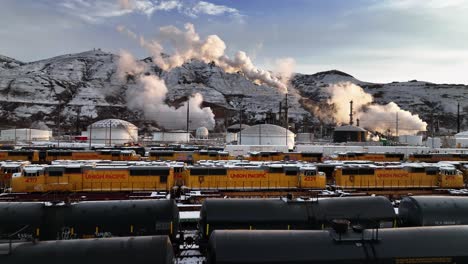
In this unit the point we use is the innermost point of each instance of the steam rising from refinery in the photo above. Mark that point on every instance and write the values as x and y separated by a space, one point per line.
372 116
150 94
186 45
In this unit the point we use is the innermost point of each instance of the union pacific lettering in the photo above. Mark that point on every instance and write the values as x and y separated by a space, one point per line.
248 176
399 175
106 176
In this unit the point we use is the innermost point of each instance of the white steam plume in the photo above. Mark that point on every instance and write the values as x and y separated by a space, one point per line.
128 65
187 44
150 94
372 116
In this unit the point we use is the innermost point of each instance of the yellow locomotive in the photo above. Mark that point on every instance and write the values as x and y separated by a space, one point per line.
387 157
189 156
285 156
405 176
436 157
254 177
7 169
47 156
93 178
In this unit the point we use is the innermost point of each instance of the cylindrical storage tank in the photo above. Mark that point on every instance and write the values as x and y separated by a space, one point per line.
172 136
367 211
433 210
410 140
266 134
114 218
122 250
112 131
201 133
391 245
15 216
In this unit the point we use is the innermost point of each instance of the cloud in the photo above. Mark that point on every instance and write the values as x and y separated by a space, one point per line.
96 11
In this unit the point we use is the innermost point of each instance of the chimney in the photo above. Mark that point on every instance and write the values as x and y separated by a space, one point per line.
458 117
351 112
357 122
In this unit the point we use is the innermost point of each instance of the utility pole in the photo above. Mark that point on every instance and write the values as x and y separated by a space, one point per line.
458 117
188 119
239 141
286 117
59 123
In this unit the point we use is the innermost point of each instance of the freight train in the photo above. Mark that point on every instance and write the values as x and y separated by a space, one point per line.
340 245
47 156
403 176
230 175
370 156
118 250
264 214
28 220
436 157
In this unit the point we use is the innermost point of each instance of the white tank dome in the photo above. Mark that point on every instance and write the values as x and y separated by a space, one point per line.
113 123
266 129
202 132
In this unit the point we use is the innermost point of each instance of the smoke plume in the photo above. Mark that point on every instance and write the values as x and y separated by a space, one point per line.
187 44
372 116
149 96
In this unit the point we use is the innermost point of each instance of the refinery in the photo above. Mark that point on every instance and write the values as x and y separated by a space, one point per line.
222 132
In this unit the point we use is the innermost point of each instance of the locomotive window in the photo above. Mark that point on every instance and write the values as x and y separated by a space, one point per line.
291 172
56 173
218 171
59 153
72 170
265 155
275 170
199 171
158 172
366 171
350 171
416 170
115 153
310 173
161 154
31 174
311 155
432 171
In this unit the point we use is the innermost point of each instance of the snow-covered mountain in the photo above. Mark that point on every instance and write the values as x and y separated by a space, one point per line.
85 86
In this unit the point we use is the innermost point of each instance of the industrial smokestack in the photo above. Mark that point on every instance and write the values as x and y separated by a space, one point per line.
357 122
351 112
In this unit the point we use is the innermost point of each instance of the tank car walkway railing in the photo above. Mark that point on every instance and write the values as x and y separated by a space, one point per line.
389 184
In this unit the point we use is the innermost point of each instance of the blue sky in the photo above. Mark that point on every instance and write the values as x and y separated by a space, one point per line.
380 41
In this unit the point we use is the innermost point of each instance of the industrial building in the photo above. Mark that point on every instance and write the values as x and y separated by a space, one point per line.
176 136
411 140
461 139
349 133
25 134
112 132
266 134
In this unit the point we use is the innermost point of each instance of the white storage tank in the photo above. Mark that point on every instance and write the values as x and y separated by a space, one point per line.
267 134
410 140
177 136
461 139
433 142
112 131
25 134
202 133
